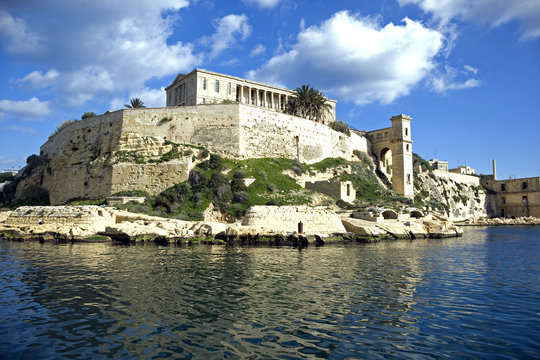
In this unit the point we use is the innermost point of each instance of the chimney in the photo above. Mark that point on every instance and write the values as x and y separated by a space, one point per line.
494 170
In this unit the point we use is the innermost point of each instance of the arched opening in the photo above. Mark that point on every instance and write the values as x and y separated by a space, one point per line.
416 214
389 214
385 161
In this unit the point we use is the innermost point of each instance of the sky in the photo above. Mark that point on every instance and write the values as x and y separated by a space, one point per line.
466 71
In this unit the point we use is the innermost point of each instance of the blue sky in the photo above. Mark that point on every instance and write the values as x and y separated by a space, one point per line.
466 71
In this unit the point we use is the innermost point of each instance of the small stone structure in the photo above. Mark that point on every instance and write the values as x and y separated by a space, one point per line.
463 169
122 200
436 164
315 220
93 216
343 190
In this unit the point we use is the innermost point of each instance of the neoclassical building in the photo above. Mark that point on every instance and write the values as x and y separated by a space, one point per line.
207 87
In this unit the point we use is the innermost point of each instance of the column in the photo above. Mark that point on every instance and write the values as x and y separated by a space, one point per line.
249 96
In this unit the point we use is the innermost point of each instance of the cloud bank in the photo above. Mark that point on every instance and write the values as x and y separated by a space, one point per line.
356 59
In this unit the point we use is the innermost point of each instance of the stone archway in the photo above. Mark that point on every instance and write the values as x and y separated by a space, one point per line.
385 161
389 214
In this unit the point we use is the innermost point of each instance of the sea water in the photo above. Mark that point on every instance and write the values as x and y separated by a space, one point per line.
477 296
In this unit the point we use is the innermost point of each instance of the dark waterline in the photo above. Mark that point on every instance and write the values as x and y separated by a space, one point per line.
477 296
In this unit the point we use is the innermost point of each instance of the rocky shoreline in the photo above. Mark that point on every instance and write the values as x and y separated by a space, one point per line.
262 225
520 221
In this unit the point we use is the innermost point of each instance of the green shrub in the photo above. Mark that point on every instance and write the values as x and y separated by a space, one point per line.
341 127
6 177
240 197
87 115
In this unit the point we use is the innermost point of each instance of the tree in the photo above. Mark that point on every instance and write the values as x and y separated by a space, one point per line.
88 114
308 103
135 103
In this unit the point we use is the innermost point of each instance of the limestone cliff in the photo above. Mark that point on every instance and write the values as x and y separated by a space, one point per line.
94 168
459 197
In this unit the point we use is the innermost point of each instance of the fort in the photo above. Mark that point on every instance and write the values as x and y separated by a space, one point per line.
232 117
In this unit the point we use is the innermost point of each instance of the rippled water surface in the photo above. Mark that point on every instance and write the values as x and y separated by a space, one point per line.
472 297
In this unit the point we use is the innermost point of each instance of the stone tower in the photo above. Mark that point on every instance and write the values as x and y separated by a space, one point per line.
393 149
402 159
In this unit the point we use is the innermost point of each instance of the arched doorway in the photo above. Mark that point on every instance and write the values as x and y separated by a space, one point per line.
385 161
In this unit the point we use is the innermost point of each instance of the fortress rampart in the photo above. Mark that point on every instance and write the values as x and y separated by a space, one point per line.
232 130
88 157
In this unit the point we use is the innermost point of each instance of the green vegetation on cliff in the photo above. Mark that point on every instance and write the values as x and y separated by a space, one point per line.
232 186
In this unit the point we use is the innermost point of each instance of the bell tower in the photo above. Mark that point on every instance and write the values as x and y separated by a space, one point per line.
402 159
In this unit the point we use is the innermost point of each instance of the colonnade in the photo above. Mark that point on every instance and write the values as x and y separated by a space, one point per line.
263 98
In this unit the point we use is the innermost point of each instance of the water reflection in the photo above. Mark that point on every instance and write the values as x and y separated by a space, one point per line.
436 298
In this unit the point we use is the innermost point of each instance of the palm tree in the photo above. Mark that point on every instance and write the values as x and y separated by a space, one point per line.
308 103
135 103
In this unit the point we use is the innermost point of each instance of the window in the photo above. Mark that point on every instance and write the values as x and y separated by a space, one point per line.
503 201
386 134
524 185
407 147
229 88
408 178
379 136
217 86
204 84
203 100
503 187
348 189
524 200
406 131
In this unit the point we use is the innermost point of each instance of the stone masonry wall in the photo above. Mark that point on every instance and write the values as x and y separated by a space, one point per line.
286 218
267 133
84 161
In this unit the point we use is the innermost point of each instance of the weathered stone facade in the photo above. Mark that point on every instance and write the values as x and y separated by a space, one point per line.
88 157
208 87
393 149
513 197
286 218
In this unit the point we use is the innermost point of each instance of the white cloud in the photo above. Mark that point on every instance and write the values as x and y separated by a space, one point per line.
471 69
264 3
98 48
356 59
258 50
492 12
25 130
150 98
37 79
32 109
229 29
16 37
447 80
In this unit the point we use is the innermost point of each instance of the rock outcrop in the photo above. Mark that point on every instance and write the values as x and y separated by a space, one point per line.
281 227
459 197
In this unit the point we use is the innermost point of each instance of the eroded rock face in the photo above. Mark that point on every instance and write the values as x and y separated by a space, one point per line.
464 200
427 227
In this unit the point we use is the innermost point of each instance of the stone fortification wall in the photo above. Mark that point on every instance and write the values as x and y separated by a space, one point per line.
286 218
267 133
215 127
459 178
96 132
152 178
60 215
99 156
